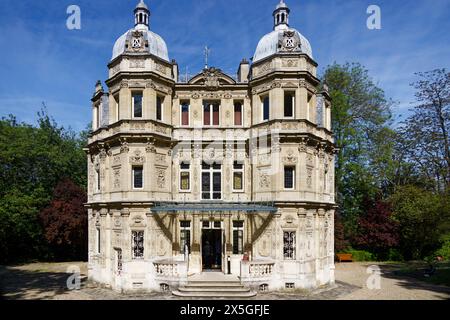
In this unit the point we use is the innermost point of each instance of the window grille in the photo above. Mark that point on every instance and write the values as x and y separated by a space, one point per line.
289 245
137 240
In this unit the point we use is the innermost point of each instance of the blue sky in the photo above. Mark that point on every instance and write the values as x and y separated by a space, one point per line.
41 60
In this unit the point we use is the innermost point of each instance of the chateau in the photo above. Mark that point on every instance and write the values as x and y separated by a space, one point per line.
216 174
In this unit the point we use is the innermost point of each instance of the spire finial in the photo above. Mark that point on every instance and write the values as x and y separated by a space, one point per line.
141 16
281 16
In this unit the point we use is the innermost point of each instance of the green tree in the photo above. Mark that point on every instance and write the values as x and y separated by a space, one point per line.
361 116
420 215
425 135
32 162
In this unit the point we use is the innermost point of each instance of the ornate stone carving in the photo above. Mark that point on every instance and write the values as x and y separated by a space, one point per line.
195 96
161 178
103 155
137 126
160 159
289 42
264 180
117 178
290 158
115 69
137 63
124 84
290 63
211 77
137 43
124 148
137 158
309 172
150 84
160 68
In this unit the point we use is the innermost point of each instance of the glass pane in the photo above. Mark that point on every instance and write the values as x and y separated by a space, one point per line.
185 185
238 166
185 224
238 114
206 186
217 185
185 115
237 181
205 166
138 177
288 105
158 108
266 108
137 102
207 115
185 166
217 181
216 115
289 178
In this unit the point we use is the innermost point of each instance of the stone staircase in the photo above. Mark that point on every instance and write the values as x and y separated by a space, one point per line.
214 285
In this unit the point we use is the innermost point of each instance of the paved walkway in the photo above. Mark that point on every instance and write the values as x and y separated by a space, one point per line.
392 287
48 281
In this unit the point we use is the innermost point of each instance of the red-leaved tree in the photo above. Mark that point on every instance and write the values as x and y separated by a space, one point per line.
65 222
377 231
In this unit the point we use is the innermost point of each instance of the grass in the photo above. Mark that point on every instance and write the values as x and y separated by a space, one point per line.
416 270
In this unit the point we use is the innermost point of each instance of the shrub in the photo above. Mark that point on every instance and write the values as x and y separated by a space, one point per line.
394 255
361 255
444 251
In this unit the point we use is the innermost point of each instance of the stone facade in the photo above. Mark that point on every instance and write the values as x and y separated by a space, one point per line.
231 174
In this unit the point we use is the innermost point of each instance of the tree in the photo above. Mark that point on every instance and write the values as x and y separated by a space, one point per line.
420 215
33 159
377 231
65 221
425 134
361 117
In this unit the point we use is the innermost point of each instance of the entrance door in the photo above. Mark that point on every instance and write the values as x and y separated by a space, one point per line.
212 249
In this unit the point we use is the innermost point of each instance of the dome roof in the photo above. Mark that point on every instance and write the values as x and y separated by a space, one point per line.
156 45
269 44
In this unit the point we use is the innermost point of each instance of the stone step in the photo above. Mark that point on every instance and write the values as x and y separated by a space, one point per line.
213 289
214 294
214 284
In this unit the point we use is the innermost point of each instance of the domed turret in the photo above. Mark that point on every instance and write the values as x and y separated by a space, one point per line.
283 39
149 42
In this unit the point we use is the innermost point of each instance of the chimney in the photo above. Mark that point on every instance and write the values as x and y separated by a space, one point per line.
243 71
175 71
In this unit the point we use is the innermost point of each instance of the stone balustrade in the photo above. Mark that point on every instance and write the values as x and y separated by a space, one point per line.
170 269
257 269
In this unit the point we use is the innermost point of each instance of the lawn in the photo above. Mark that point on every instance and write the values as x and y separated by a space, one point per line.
417 270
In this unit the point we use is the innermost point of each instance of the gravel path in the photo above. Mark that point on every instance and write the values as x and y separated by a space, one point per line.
392 287
48 281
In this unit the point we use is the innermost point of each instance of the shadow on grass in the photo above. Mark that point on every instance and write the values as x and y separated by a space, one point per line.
17 284
411 276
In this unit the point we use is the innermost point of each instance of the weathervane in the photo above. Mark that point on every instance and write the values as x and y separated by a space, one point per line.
207 53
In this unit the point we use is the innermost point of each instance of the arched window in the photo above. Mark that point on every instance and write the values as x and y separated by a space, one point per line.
141 19
282 18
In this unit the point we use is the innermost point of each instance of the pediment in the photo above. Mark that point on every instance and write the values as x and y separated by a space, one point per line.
212 78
